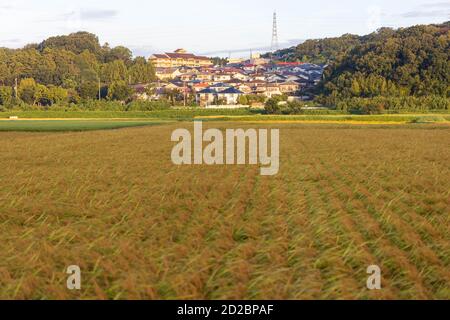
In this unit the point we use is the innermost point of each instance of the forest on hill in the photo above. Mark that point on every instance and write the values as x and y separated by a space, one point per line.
391 69
69 68
412 61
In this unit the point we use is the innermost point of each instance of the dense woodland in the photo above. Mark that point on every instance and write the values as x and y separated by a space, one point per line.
388 65
320 51
69 69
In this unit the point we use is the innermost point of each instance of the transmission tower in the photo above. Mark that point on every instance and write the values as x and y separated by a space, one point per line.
274 46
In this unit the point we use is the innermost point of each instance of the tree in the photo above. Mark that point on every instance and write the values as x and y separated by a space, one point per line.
141 71
409 61
75 42
88 66
71 67
6 96
273 105
119 90
88 90
114 71
355 89
66 67
27 90
218 61
5 75
42 96
320 51
58 94
44 71
243 100
119 53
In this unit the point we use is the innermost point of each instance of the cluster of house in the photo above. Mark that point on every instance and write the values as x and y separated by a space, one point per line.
189 74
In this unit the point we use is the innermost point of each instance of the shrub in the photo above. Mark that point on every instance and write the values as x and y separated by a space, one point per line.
6 96
429 119
148 105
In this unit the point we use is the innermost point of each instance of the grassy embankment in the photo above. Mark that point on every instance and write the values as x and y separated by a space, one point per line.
375 119
176 114
97 120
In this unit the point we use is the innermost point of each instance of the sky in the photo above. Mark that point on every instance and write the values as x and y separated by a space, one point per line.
218 27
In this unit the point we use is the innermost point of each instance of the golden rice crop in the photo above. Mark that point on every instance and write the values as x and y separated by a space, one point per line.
112 202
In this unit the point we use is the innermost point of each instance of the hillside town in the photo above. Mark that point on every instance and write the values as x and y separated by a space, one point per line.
186 79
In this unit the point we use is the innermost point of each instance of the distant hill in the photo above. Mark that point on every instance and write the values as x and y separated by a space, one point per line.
319 51
406 61
75 42
71 60
69 68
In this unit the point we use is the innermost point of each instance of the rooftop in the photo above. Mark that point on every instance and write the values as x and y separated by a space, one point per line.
231 90
179 54
207 91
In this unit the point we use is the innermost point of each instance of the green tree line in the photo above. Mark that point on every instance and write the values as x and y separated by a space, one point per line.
407 61
388 70
411 61
69 69
319 51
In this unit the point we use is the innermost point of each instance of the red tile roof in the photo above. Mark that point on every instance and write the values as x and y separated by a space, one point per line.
185 56
201 85
161 56
293 64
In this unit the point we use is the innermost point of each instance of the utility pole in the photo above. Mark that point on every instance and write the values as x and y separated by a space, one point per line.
16 89
99 88
184 90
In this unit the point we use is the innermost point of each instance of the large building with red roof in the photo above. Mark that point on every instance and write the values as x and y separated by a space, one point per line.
179 58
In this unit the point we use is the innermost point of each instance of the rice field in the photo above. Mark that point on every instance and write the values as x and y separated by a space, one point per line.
112 202
65 125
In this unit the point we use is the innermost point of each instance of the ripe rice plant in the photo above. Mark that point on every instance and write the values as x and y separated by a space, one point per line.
139 227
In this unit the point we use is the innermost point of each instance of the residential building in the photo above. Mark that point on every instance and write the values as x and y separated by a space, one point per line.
291 78
204 76
289 87
245 88
259 77
179 58
220 77
249 67
209 96
224 84
269 90
276 78
220 86
199 86
234 82
256 83
167 73
206 97
236 60
187 76
241 76
257 60
175 86
230 95
140 92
